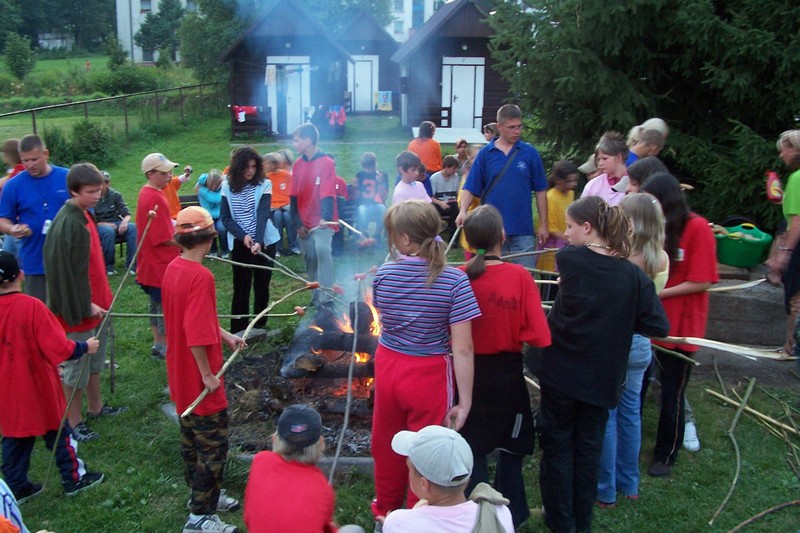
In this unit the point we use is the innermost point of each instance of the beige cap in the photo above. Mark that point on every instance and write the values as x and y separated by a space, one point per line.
590 165
157 162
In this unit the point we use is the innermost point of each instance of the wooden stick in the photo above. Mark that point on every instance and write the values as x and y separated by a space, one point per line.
452 240
351 228
235 354
736 287
675 354
161 315
753 412
525 254
762 514
736 349
736 449
532 383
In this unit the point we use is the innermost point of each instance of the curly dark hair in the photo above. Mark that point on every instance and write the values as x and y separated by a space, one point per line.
239 160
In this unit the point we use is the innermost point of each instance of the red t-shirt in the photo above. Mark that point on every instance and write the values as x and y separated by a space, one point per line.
154 253
98 279
697 262
311 181
32 348
287 497
189 299
511 311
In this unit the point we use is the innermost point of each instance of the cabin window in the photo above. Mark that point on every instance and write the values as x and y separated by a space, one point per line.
399 5
146 6
398 27
147 56
191 6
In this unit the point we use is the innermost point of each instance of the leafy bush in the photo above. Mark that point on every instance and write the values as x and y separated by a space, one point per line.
93 143
127 79
116 54
59 146
19 56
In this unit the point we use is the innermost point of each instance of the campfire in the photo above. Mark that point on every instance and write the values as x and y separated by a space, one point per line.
322 344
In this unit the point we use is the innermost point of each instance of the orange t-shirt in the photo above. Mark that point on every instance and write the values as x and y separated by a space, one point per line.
171 192
281 185
429 152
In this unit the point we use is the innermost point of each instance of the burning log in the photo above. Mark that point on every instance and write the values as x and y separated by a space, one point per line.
339 340
310 365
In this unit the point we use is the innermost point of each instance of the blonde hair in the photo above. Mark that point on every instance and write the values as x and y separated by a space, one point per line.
420 221
214 179
790 138
647 229
310 455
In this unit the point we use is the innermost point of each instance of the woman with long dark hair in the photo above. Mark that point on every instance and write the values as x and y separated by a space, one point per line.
245 212
691 247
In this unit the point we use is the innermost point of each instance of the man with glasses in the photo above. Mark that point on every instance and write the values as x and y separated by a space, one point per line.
505 174
113 219
159 248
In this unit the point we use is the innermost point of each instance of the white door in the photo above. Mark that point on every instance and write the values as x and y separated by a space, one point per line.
362 80
288 91
462 91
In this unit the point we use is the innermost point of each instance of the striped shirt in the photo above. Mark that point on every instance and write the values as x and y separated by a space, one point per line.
243 207
415 319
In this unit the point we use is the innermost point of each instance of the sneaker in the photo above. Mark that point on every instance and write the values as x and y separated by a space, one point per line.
226 255
89 480
209 522
26 494
158 351
295 251
277 254
690 440
224 504
111 272
107 410
82 433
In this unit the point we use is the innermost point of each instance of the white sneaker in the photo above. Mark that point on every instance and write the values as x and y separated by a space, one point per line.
225 502
690 441
209 522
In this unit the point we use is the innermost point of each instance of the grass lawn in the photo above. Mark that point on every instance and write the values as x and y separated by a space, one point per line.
139 450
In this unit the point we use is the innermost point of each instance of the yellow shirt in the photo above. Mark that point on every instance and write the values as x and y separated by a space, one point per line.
557 203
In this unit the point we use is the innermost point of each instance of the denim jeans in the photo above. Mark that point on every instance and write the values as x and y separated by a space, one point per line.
619 463
366 213
222 235
108 239
282 220
319 261
515 244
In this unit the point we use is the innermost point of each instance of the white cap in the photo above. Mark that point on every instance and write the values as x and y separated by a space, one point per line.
439 454
157 162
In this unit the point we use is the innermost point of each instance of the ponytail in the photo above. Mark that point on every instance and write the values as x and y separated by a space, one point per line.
483 229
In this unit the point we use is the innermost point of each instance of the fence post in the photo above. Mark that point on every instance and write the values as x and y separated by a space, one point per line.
33 116
180 98
125 110
85 111
158 118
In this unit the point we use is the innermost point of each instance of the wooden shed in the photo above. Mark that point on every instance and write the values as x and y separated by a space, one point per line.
446 69
372 71
282 66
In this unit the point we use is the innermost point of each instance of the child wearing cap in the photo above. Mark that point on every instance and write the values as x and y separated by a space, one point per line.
158 248
194 356
78 292
286 491
29 357
439 467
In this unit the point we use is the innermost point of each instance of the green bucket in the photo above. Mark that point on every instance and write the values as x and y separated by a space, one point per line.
744 246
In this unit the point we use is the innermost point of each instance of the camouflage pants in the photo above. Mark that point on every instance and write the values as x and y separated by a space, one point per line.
204 448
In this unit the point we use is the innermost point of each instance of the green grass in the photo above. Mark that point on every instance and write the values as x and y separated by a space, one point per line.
139 450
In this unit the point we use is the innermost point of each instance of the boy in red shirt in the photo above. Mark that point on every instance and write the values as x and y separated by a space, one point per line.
194 356
29 356
78 291
159 248
313 199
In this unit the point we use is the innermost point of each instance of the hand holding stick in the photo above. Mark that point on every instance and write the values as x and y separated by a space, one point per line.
235 354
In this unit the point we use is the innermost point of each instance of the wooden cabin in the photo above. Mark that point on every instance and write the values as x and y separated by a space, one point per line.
282 66
372 72
446 70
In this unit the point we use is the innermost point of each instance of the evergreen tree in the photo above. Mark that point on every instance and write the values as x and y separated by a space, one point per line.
19 57
160 30
117 56
723 75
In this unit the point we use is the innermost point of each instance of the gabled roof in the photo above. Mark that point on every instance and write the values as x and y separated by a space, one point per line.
434 26
275 21
364 27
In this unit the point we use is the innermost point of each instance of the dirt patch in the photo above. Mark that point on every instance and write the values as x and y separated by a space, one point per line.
735 369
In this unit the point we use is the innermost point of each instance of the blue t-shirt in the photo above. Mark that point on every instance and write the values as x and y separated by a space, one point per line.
32 201
512 193
416 319
632 158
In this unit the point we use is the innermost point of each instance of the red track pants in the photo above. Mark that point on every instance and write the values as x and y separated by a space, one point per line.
411 392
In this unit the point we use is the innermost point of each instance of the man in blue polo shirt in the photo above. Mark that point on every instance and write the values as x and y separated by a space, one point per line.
511 192
28 205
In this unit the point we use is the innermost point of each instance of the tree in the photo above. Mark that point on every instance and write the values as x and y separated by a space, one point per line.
158 32
19 56
723 74
10 19
117 56
334 15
